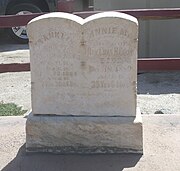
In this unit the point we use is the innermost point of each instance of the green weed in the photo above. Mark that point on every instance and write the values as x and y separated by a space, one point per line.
10 109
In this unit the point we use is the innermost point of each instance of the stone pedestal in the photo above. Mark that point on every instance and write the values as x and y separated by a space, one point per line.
77 134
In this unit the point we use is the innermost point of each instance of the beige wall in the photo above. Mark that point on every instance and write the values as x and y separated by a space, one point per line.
160 38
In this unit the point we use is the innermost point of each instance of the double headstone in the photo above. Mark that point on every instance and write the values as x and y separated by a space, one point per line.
84 77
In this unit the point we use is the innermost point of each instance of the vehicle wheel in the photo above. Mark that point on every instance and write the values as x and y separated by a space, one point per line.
19 33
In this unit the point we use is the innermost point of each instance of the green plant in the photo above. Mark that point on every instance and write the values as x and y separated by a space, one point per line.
10 109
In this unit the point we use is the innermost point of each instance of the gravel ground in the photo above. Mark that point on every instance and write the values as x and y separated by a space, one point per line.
12 137
11 52
15 88
20 56
157 92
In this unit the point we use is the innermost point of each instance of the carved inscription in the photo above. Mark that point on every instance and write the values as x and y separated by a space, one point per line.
114 51
83 68
110 58
60 75
105 84
46 37
101 31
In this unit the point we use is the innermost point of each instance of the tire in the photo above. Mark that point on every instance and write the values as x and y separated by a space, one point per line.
19 33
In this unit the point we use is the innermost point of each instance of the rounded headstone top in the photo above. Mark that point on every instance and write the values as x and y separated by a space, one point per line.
58 15
111 14
83 21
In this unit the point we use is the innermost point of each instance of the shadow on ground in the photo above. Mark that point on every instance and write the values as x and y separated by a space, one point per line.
156 83
8 44
51 162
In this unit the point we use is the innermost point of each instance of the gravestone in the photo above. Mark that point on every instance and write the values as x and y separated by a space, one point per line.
84 76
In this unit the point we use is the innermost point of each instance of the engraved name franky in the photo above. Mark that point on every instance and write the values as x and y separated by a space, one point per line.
46 37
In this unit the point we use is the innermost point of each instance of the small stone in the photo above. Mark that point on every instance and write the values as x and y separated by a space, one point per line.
158 112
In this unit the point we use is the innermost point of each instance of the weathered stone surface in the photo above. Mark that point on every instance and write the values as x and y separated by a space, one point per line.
63 134
84 66
83 75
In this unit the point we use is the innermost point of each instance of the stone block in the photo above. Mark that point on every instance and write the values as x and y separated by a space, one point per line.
67 134
89 64
84 80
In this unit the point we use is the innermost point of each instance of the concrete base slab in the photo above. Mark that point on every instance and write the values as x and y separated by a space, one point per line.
84 135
